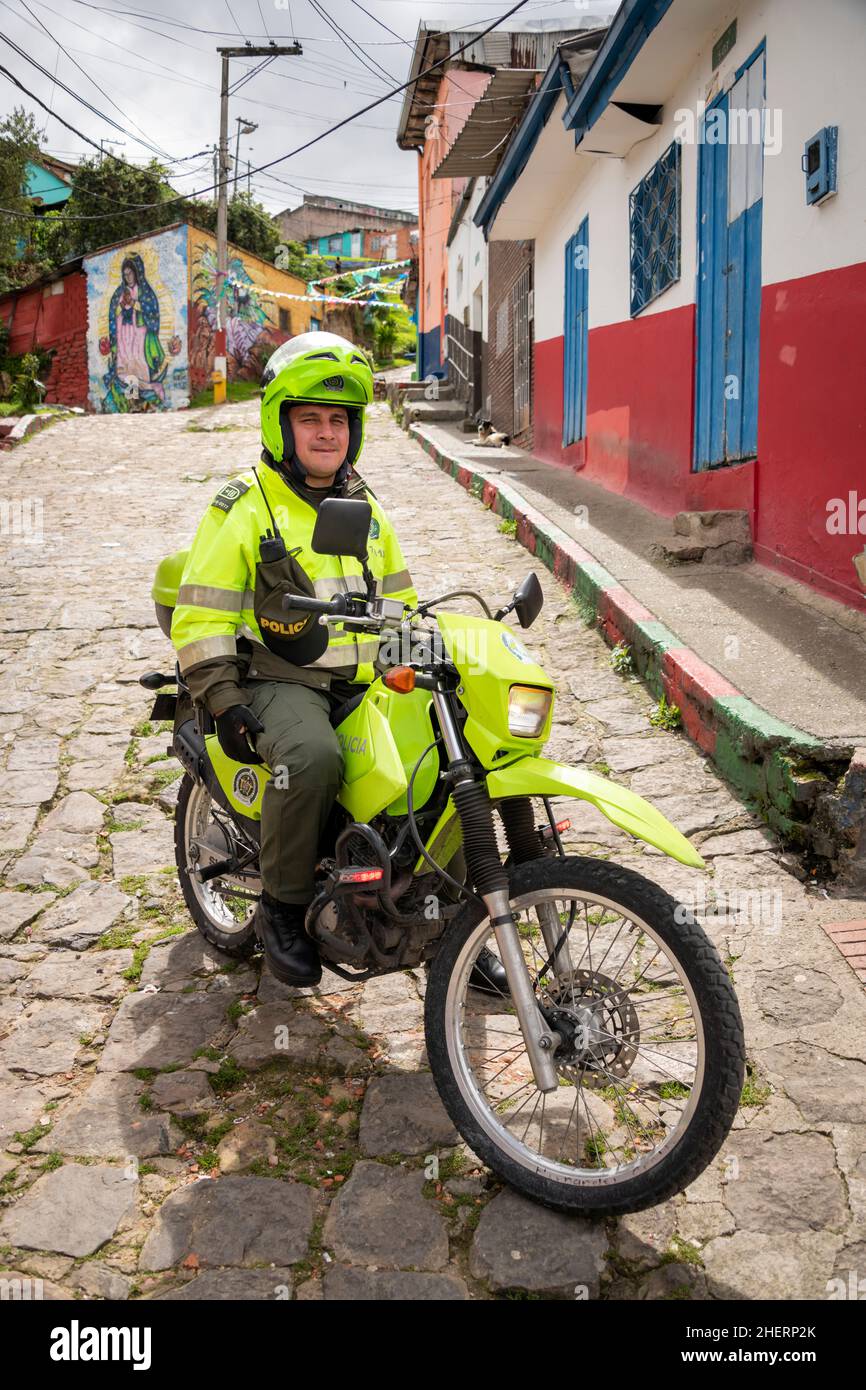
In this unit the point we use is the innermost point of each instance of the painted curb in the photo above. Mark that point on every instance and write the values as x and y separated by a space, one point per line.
798 784
25 426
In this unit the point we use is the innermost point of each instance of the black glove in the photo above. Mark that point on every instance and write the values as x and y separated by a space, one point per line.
232 726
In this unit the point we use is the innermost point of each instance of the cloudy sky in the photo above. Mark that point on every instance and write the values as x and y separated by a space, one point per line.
152 68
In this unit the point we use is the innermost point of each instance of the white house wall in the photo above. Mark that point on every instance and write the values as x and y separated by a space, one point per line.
797 239
469 243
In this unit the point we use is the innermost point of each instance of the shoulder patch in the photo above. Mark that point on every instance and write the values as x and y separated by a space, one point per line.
228 495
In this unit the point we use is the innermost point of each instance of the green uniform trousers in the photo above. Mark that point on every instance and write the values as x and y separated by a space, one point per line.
305 758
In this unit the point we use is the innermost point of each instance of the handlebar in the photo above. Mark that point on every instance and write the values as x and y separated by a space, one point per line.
338 604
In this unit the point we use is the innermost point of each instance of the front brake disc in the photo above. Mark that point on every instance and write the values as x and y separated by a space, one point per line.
599 1025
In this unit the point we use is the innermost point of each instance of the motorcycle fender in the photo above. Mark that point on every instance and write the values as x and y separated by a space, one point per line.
541 777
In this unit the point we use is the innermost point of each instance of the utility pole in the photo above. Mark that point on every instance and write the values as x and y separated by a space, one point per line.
245 127
248 51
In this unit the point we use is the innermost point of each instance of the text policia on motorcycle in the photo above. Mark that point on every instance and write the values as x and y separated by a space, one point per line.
347 754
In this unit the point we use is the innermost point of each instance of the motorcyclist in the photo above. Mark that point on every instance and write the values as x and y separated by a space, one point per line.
274 674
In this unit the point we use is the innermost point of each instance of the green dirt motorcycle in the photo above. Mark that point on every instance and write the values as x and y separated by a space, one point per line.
607 1074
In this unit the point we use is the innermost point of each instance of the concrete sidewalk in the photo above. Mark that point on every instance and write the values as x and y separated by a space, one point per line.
768 675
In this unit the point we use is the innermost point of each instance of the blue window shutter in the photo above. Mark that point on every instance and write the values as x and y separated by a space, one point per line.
576 335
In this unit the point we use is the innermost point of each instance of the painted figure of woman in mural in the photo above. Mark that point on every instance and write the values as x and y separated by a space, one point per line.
137 362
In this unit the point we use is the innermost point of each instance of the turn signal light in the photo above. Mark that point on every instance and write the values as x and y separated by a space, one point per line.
400 678
547 833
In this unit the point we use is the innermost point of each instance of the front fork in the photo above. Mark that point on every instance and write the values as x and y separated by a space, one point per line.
540 1041
491 881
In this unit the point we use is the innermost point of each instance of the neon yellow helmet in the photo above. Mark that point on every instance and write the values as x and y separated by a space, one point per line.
314 367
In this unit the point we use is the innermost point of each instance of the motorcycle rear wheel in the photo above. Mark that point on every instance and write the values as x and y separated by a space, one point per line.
224 922
659 1095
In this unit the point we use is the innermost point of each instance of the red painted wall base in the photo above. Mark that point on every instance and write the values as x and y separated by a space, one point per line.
811 425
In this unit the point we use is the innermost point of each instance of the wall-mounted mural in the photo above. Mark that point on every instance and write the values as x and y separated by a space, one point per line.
247 319
137 324
246 316
257 318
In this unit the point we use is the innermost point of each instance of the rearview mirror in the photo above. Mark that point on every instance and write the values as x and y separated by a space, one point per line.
342 527
528 600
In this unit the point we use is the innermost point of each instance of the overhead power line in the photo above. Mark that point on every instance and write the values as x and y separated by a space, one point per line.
109 120
76 64
314 140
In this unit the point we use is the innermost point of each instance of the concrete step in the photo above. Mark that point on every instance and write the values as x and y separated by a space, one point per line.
419 391
426 412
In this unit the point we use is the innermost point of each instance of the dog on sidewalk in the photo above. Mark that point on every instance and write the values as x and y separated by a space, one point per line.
489 438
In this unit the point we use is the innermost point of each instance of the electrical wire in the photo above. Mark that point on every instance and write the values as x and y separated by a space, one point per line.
83 71
109 120
170 75
419 843
351 46
234 21
299 149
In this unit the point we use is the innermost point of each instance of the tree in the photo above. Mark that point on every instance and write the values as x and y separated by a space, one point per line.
101 190
19 146
252 228
151 204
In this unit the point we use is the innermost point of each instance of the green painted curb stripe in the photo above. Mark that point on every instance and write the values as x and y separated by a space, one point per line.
745 731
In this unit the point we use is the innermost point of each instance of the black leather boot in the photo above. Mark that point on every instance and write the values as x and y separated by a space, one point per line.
488 974
291 955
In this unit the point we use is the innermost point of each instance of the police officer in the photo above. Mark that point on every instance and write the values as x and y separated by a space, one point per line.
276 674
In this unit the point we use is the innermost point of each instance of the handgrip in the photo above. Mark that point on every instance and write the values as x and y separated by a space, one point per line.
337 604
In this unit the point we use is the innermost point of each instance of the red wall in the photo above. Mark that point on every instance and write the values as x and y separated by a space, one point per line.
640 389
812 425
57 321
811 422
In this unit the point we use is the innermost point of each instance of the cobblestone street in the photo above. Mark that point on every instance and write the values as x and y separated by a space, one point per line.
153 1147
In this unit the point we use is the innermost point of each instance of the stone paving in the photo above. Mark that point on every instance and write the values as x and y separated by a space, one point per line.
153 1143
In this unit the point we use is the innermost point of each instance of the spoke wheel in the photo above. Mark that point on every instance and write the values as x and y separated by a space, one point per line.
650 1056
223 908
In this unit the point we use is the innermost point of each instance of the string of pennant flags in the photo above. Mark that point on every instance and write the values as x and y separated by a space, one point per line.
374 270
315 297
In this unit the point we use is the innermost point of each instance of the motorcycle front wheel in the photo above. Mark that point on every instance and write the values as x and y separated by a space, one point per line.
651 1061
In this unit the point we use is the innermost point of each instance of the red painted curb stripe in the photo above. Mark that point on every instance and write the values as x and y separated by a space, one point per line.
624 606
688 681
695 677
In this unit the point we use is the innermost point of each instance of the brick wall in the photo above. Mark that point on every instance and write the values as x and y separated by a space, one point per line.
310 221
506 261
54 316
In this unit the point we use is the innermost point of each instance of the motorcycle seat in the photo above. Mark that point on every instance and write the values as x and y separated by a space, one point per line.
338 714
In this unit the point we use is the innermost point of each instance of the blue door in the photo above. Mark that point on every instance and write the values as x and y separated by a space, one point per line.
730 189
576 332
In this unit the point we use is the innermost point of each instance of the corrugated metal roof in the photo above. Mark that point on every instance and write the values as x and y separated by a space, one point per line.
481 142
527 49
579 54
514 48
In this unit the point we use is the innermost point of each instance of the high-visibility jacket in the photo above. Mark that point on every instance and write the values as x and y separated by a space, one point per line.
215 602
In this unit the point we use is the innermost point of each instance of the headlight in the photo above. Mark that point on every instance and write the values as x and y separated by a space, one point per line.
528 708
